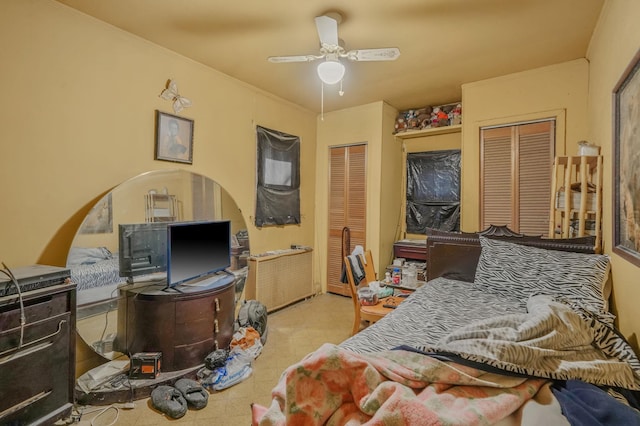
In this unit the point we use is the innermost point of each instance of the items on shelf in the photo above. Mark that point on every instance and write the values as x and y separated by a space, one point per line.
429 117
406 273
576 196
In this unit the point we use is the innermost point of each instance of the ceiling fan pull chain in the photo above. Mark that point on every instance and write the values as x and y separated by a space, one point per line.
321 101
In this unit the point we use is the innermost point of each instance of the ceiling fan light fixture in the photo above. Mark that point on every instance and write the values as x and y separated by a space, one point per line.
331 71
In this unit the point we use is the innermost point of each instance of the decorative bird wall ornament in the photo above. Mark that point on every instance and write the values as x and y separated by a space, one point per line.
171 94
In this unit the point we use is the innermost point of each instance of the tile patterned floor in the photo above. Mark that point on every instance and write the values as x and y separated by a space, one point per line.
293 332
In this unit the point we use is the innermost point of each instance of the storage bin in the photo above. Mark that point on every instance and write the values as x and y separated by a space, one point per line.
586 149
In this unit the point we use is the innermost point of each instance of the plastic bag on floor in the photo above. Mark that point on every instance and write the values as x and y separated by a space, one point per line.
247 339
237 368
253 313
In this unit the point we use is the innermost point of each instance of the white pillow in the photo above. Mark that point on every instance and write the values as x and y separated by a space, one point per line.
87 255
522 271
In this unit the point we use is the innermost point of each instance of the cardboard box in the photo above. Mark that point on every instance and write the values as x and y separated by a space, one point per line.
145 365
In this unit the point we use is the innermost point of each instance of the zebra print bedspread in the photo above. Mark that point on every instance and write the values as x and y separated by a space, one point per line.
551 341
443 314
435 309
96 274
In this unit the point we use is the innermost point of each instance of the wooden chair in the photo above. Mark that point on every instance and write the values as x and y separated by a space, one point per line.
370 314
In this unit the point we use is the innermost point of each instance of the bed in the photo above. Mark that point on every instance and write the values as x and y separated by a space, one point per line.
95 270
509 329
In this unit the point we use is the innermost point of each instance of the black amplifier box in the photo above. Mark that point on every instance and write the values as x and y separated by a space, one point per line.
33 277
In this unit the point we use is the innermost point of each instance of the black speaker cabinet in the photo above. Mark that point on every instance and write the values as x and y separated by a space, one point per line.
37 370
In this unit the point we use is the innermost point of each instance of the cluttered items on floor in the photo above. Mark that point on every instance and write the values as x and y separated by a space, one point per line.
225 368
172 393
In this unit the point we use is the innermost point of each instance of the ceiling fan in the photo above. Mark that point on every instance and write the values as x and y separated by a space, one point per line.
331 71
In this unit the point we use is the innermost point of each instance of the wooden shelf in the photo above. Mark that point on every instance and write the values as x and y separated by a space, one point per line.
573 176
161 208
410 134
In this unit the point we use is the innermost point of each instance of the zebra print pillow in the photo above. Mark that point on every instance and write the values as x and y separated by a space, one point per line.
521 271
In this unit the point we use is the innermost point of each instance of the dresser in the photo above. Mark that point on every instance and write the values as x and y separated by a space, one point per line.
37 381
411 249
185 324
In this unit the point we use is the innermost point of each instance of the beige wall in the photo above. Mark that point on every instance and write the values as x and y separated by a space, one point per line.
78 119
370 124
613 45
389 171
558 91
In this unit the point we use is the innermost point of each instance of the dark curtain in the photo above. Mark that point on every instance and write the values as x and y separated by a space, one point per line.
433 191
278 188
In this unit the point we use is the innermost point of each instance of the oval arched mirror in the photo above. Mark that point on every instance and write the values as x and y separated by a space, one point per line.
152 197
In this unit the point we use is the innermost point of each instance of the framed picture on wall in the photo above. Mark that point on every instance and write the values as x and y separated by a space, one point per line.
174 138
626 173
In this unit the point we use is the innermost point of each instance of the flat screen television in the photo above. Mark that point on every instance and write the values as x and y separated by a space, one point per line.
196 249
142 249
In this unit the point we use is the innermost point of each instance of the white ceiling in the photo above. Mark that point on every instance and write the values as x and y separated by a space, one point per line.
443 43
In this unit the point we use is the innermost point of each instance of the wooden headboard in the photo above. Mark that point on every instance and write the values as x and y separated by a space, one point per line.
455 254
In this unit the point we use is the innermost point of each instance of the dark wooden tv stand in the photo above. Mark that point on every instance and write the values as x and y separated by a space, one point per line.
184 324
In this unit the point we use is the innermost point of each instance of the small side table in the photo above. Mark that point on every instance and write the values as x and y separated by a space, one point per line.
380 309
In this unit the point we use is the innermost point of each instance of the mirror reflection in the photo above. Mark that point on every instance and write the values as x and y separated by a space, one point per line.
157 197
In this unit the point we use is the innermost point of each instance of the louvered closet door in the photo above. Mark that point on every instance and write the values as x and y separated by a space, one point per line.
347 207
497 197
534 176
516 163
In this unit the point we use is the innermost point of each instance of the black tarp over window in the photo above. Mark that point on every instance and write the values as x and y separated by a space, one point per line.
433 191
278 188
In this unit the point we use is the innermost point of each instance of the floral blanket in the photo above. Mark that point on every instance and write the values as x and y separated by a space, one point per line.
335 386
552 341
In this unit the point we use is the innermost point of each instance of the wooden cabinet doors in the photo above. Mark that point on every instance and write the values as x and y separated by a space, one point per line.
516 163
347 208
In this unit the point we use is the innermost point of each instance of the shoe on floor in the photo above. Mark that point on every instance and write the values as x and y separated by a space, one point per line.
169 400
193 392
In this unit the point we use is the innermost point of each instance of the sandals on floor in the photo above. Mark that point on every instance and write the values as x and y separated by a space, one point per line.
195 395
170 401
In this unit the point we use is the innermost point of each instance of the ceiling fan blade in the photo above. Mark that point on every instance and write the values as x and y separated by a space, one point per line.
293 58
382 54
327 30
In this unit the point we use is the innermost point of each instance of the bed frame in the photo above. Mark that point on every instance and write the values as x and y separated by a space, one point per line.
455 255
